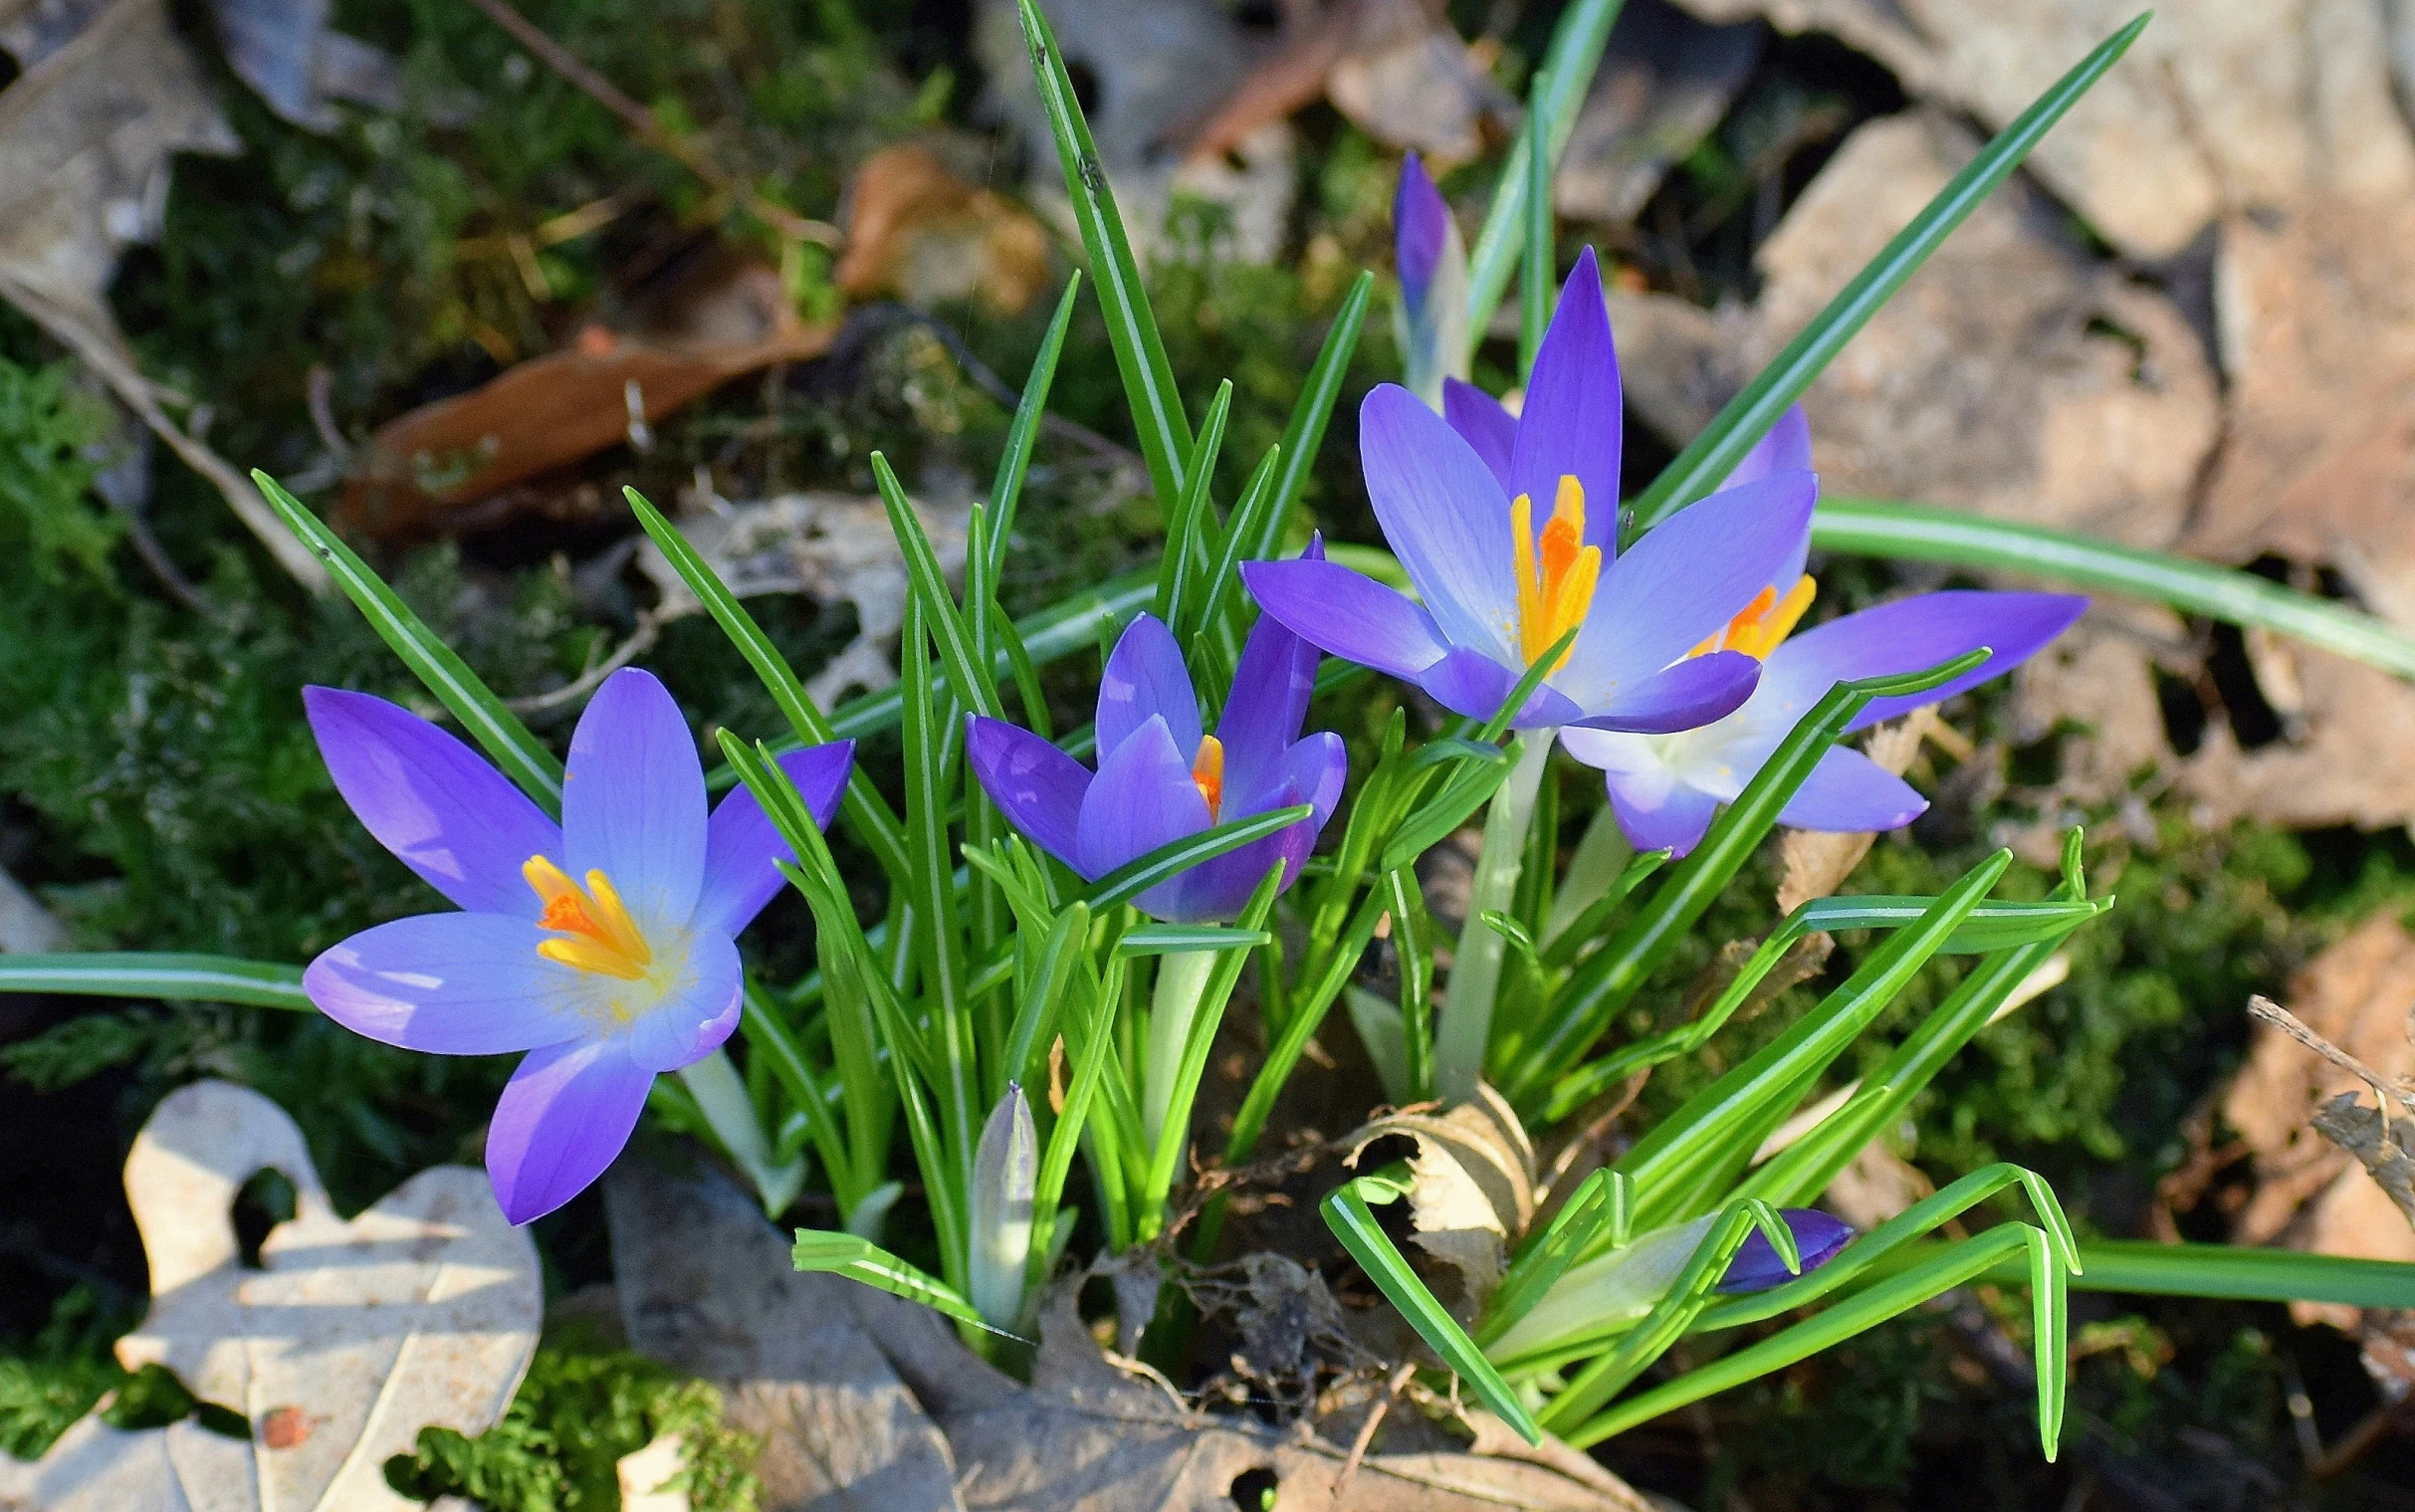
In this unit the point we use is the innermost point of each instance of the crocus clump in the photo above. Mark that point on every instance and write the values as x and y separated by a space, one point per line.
1462 502
1159 778
602 946
1665 789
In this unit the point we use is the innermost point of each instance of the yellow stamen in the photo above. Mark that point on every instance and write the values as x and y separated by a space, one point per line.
595 930
1553 597
1208 770
1764 624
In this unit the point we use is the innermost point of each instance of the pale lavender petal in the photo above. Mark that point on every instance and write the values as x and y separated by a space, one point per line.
633 799
1350 615
1470 683
1144 678
1786 449
1691 693
450 984
1421 223
566 1114
1818 1240
1271 687
742 850
1317 769
1661 815
1911 633
1445 516
1568 425
1142 797
691 1020
1036 786
1847 793
1684 580
1484 425
441 808
1219 888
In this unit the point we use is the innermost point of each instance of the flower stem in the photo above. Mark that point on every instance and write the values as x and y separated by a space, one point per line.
1465 1025
1182 978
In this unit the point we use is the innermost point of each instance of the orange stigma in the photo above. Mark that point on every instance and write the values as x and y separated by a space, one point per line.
593 929
1208 770
1554 594
1762 625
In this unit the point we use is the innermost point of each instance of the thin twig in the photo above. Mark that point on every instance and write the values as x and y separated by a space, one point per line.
1366 1434
2297 1030
641 639
646 128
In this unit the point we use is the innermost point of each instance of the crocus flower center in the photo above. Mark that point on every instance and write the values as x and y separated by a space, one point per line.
1555 593
1762 625
1208 770
592 928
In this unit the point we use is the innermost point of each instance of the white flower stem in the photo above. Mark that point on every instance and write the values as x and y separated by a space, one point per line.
1181 979
1464 1027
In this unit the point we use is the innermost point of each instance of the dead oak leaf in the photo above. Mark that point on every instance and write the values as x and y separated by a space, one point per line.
918 231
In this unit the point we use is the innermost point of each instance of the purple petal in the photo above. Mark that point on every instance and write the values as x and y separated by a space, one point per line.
1473 684
1445 516
1142 797
1317 769
1786 449
1270 702
1220 887
1421 223
566 1113
1484 425
1569 423
450 984
691 1020
1693 693
1144 678
442 809
1352 616
1036 786
1921 632
1684 580
742 850
1818 1240
1849 793
1662 815
633 799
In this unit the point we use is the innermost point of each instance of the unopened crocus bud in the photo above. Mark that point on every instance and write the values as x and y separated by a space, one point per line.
1005 1169
1431 262
1758 1266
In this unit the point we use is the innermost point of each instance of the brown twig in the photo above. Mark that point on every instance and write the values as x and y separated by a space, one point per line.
649 626
2300 1030
646 128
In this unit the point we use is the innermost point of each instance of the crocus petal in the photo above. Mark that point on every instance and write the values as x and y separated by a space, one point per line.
442 809
1142 797
450 984
1484 425
1690 694
1568 425
1144 678
1786 449
1445 516
742 850
1219 888
695 1012
1848 793
1661 815
1470 683
1036 786
1818 1240
1420 222
1271 685
1921 632
1350 615
1317 769
566 1114
1683 580
633 799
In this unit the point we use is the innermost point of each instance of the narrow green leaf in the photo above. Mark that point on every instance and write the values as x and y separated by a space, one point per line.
1054 970
1347 1214
1089 1067
160 973
859 1260
1179 939
1536 267
970 683
1142 872
1587 1216
1192 523
1413 953
1006 494
1225 592
1990 926
523 758
1646 1342
2142 1267
1571 941
1304 432
1750 415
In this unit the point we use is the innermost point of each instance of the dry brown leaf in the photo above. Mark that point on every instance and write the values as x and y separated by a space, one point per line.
1406 78
551 411
2311 1195
918 231
867 1401
1666 81
351 1338
2386 1147
1471 1184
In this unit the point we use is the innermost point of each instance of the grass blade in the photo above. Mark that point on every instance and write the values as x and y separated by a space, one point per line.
1750 415
859 1260
523 758
1304 432
148 974
1193 523
971 682
1006 493
1142 872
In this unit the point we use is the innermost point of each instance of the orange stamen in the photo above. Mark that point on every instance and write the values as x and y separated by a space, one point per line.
1554 594
1761 626
1207 771
595 930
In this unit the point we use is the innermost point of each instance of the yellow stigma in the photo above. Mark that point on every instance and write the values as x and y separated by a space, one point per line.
1553 596
594 930
1208 770
1764 624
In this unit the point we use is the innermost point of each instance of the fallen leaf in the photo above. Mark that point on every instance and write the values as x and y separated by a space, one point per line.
918 231
348 1341
1666 81
883 1408
645 1476
2310 1194
729 317
1406 78
287 53
1471 1188
2383 1145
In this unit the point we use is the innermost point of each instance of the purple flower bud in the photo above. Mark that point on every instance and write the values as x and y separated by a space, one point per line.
1421 226
1817 1237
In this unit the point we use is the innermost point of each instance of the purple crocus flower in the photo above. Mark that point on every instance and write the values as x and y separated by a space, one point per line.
1665 789
1757 1267
1458 500
1160 779
1431 262
601 945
